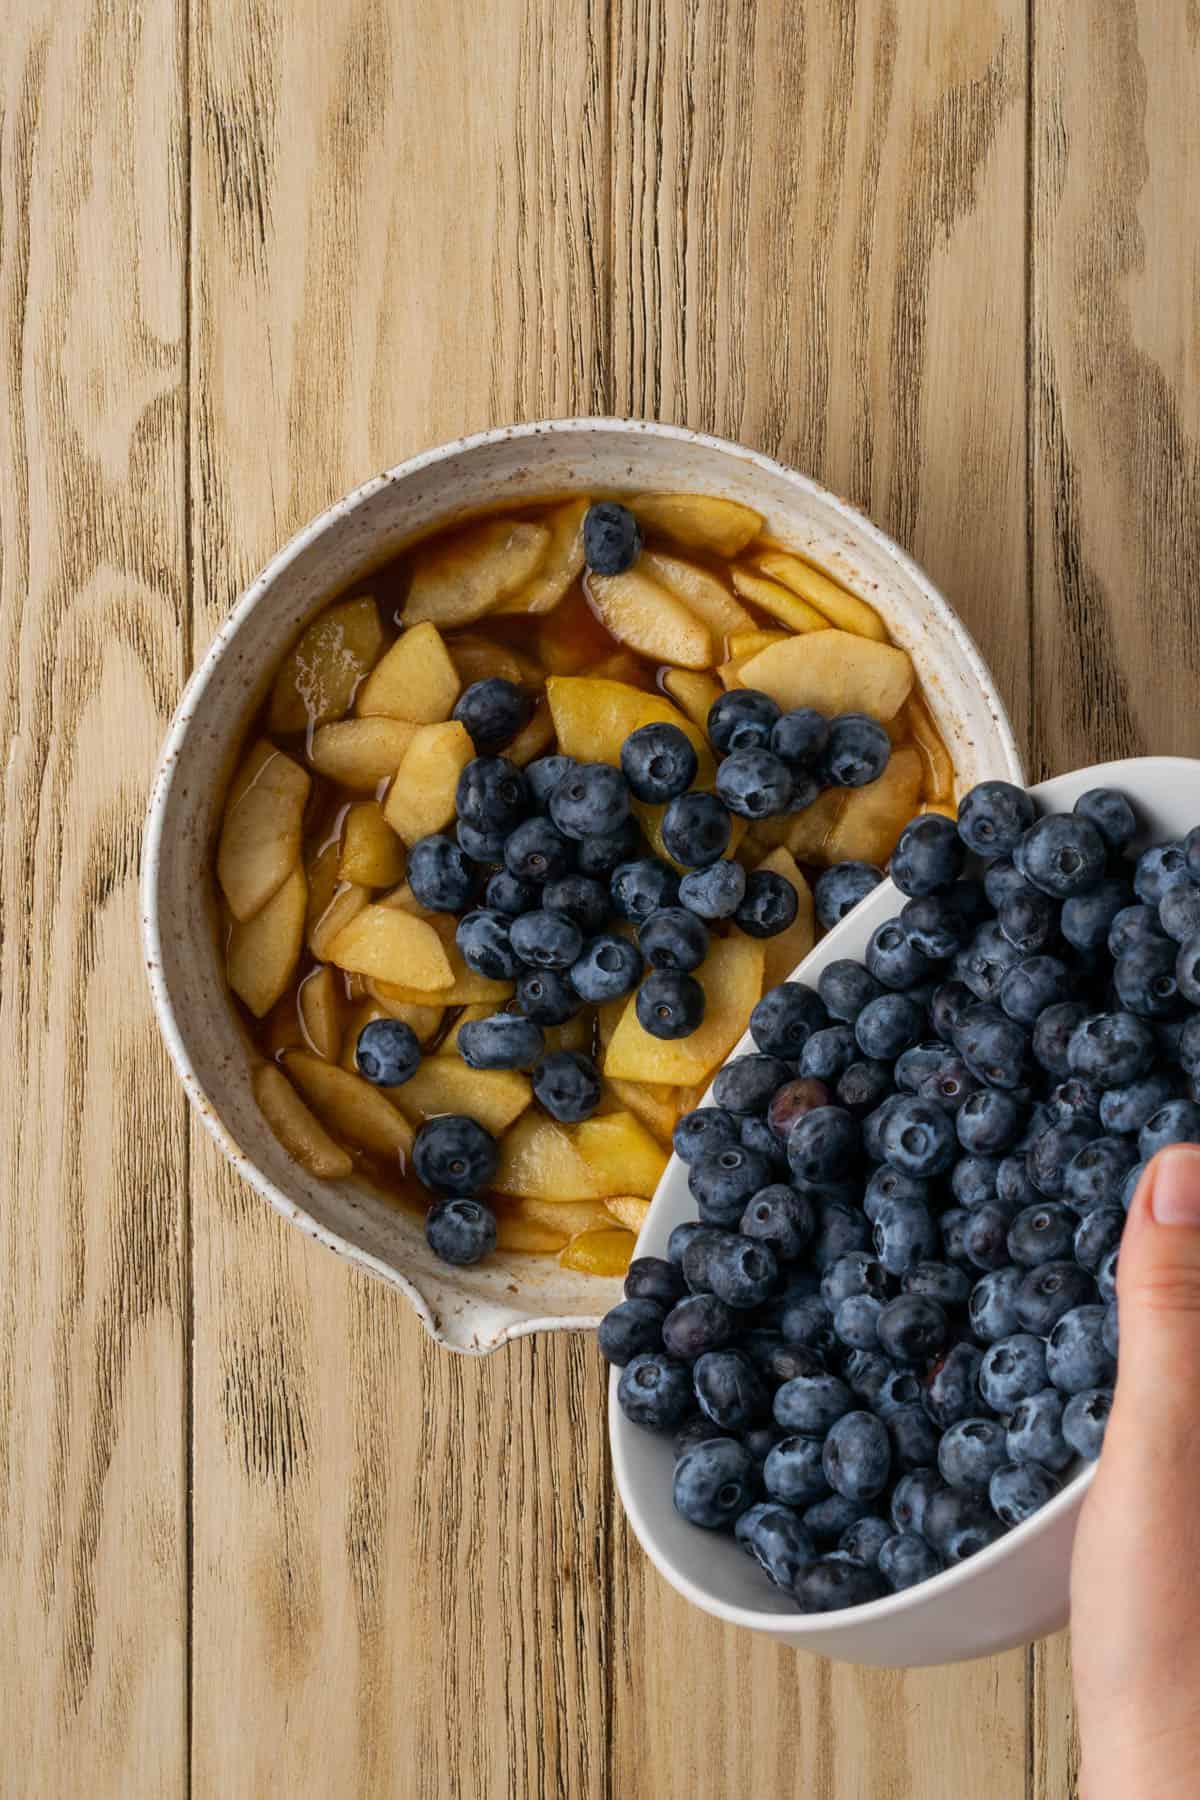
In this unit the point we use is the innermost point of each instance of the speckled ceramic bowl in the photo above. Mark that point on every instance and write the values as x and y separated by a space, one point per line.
468 1309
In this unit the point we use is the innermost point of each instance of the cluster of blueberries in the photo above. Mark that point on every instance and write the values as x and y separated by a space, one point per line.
893 1325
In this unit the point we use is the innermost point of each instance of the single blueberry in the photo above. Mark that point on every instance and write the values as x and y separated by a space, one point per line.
387 1052
536 852
659 762
1085 1419
989 1122
888 1185
959 1524
742 1272
829 1585
1076 1354
1157 870
544 775
864 1086
785 1018
839 890
567 1086
992 1308
546 996
1035 1431
440 874
781 1218
829 1053
713 1483
592 800
715 892
546 940
494 711
929 857
970 1452
845 987
454 1155
952 1391
779 1544
579 898
673 938
857 1456
904 1234
906 1560
1112 815
1095 1174
1124 1110
1146 979
746 1084
503 1041
974 1181
1046 1293
934 925
857 751
800 737
1088 918
918 1138
696 828
768 906
1063 854
1017 1490
1112 1049
460 1230
810 1404
755 784
912 1328
940 1281
823 1146
1178 1122
1012 1370
629 1329
722 1182
1041 1234
888 1026
792 1472
697 1323
1030 921
951 999
856 1321
742 719
492 794
612 538
985 961
669 1004
993 817
607 967
653 1278
504 893
729 1389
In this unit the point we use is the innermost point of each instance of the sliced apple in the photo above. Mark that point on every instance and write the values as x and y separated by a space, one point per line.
301 1134
466 988
701 592
421 798
732 978
260 834
563 562
639 612
621 1152
833 672
744 644
426 1020
539 1160
947 808
415 680
319 1007
873 817
656 1105
694 693
444 1084
371 853
699 520
477 657
788 947
319 677
518 1230
628 1210
778 601
384 943
604 1252
831 600
350 1106
263 952
465 576
809 835
331 903
574 1034
935 758
534 738
593 718
360 753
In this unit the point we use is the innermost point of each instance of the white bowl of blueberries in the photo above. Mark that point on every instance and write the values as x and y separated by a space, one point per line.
867 1353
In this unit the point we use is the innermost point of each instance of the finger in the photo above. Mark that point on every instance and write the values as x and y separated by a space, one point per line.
1158 1293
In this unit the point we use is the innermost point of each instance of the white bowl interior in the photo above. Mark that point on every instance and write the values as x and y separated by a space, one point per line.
471 1309
1010 1593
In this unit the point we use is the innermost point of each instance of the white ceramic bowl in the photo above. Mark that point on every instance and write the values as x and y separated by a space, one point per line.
469 1309
1012 1592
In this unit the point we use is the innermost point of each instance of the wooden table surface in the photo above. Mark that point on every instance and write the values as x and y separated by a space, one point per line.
257 1535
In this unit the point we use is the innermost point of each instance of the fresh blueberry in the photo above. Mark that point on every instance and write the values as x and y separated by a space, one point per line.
864 1086
829 1585
800 737
865 1372
960 1523
785 1018
492 794
906 1560
910 1498
1029 920
612 538
607 967
951 999
629 1329
846 987
863 1541
795 1100
768 906
669 1004
729 1389
919 1061
970 1452
857 750
952 1392
904 1234
1157 870
460 1230
827 1520
454 1155
804 1322
1146 982
934 925
742 1272
536 852
1051 1290
503 1041
544 775
1052 1035
746 1084
993 818
888 1186
1076 1356
953 1226
697 1258
810 1404
1085 1418
1013 1186
493 711
928 858
755 784
1033 985
698 1323
1051 1154
1106 1276
579 898
567 1086
1075 1098
974 1180
1035 1432
823 1145
599 855
893 960
1187 970
1041 1234
792 1472
683 1235
985 1235
983 963
855 1273
918 1138
1087 919
1098 1232
387 1053
777 1360
1112 815
989 1122
703 1131
713 1483
673 938
653 1278
742 719
778 1543
829 1053
888 1026
723 1181
756 1134
696 828
1063 854
1112 1049
504 893
939 1281
950 1085
1003 881
480 844
439 874
658 762
546 940
546 996
856 1321
592 800
914 1437
912 1328
1018 1490
839 890
781 1218
857 1456
1095 1174
899 1388
1012 1370
992 1308
1178 1122
484 938
715 892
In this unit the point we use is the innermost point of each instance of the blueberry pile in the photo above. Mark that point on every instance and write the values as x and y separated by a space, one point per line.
893 1326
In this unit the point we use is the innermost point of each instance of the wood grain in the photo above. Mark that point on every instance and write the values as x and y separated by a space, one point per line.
401 233
93 1589
819 219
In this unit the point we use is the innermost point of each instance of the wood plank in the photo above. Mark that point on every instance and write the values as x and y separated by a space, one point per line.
401 227
1115 434
819 243
93 1579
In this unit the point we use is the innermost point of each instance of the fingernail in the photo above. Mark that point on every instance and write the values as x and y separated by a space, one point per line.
1175 1195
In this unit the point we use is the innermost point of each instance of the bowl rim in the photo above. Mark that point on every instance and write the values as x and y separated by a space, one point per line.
946 1581
174 745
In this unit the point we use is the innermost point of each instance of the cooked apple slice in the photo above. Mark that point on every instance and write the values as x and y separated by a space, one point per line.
539 1160
421 798
621 1153
834 672
301 1135
745 644
935 758
477 657
628 1210
384 942
568 1216
700 591
371 853
444 1084
331 903
604 1252
831 600
360 753
533 739
518 1230
657 1106
640 613
562 566
464 577
778 601
788 947
732 978
698 520
318 679
809 834
262 953
873 817
415 680
350 1106
425 1020
622 665
947 808
260 835
693 692
320 1012
575 1034
466 987
593 718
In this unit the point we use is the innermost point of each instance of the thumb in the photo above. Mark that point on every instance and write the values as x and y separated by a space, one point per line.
1158 1295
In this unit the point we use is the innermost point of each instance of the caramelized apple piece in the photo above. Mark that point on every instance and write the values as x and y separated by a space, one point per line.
873 817
657 1106
694 693
360 753
699 520
833 672
319 1007
629 1211
263 952
444 1084
426 1020
604 1252
459 580
301 1135
384 942
592 719
701 592
331 903
415 680
779 601
534 739
350 1106
832 601
260 835
318 679
421 798
640 613
371 853
562 566
935 758
732 978
517 1230
477 657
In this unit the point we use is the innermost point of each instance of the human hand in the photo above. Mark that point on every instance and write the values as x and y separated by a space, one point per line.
1135 1579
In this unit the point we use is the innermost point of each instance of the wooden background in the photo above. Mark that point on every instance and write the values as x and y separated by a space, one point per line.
257 1536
